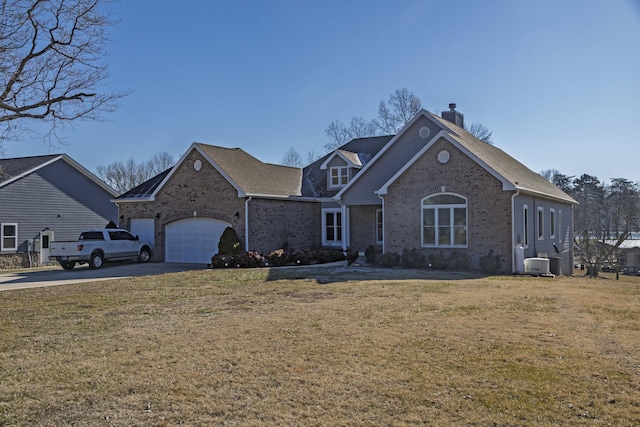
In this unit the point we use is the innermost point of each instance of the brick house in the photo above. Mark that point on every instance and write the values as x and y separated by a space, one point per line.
432 187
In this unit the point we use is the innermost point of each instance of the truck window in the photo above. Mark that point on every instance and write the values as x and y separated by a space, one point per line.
91 235
126 236
113 235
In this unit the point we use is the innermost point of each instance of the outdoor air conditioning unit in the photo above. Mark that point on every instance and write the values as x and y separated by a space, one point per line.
536 266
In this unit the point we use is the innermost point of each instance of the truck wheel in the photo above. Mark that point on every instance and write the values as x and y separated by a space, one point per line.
96 261
144 256
68 265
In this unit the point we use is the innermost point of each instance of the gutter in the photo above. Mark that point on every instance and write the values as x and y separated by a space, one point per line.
513 230
246 223
383 233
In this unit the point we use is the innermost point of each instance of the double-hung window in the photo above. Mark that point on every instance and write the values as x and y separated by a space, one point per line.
444 221
552 223
331 227
338 176
540 223
8 237
379 226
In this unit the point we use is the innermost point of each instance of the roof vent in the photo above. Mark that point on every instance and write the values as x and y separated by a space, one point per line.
453 116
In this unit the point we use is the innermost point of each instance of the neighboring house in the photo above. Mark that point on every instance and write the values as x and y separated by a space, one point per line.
46 198
631 250
432 187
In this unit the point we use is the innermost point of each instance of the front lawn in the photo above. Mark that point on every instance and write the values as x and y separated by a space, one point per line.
322 346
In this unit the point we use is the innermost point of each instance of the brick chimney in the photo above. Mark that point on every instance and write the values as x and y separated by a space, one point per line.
453 116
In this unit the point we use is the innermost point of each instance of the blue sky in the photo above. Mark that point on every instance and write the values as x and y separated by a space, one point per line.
557 81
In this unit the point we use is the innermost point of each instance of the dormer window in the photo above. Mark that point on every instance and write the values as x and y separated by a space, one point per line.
338 176
341 166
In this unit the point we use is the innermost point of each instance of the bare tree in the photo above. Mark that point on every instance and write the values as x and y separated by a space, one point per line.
51 54
292 158
481 132
397 112
123 176
339 134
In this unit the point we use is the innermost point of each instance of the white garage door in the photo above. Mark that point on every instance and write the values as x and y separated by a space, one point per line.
193 240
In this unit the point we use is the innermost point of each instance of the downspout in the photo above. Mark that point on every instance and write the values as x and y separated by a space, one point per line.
246 222
383 232
513 230
345 225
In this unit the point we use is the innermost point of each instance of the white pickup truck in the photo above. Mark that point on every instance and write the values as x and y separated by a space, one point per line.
99 245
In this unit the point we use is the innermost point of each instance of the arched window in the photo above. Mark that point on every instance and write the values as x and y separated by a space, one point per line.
444 221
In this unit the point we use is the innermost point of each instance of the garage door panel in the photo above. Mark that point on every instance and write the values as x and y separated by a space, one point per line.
193 240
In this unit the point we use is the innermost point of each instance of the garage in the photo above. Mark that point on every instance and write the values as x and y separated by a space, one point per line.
193 240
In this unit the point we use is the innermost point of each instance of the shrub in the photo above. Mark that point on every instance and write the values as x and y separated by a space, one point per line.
490 263
323 256
438 261
251 259
413 259
301 257
229 243
389 259
371 253
352 256
222 261
459 260
278 258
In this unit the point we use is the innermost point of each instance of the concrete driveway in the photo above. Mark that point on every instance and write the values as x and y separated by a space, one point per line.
57 276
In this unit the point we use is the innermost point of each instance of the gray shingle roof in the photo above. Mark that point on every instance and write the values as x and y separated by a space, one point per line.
253 176
11 168
145 189
248 174
512 170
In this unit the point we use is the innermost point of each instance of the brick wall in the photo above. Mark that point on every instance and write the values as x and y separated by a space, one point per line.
489 207
205 192
362 221
276 224
273 223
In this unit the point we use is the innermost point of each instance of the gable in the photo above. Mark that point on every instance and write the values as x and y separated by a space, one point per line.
393 157
314 178
416 137
246 174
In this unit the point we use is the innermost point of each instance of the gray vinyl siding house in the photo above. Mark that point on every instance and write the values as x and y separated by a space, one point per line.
433 187
47 198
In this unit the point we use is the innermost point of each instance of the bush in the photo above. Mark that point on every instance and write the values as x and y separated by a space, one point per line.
278 258
229 243
459 260
389 259
301 257
222 261
352 256
413 259
438 261
323 256
251 259
372 253
490 263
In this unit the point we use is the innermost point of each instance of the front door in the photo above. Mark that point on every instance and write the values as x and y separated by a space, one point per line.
46 237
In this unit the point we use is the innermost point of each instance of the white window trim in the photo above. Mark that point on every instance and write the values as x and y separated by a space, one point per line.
379 226
540 223
525 226
2 237
333 211
340 170
552 223
452 225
